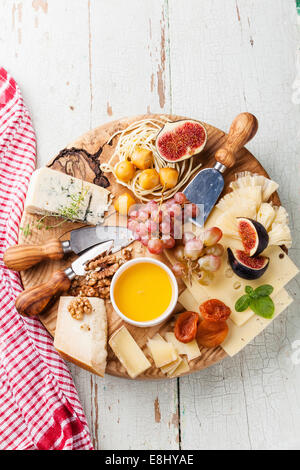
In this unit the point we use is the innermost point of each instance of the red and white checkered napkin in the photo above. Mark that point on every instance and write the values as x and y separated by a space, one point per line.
39 406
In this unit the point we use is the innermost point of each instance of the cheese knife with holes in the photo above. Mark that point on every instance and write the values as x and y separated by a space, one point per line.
207 186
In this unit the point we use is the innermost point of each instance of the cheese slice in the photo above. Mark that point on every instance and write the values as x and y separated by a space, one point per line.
191 349
239 336
169 368
51 192
128 352
228 287
162 352
83 341
188 301
181 369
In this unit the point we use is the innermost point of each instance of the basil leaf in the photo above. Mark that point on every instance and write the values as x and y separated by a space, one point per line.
263 291
242 303
249 290
263 306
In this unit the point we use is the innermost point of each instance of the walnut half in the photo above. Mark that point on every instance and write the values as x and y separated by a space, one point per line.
79 306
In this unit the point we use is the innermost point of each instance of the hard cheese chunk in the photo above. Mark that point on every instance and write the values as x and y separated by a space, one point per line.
228 287
162 352
191 349
128 352
83 341
54 193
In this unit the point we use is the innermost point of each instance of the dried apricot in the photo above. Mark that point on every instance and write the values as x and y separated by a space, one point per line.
214 310
211 333
186 326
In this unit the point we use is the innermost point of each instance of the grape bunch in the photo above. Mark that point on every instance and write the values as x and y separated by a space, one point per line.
200 255
160 226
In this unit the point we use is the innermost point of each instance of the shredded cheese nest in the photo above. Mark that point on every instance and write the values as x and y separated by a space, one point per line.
143 134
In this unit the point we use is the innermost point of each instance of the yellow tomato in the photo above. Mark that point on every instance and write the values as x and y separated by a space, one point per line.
142 158
148 179
168 177
123 203
125 171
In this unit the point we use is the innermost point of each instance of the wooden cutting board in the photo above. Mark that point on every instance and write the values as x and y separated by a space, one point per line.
81 159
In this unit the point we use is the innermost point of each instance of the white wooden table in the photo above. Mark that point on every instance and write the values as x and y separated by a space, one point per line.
80 63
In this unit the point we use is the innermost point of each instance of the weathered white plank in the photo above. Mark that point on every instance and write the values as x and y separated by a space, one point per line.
79 64
76 70
45 47
239 55
129 75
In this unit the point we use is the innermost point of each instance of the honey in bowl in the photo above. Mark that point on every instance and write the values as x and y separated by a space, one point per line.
143 292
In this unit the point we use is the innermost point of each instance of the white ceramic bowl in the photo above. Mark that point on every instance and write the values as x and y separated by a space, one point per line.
163 316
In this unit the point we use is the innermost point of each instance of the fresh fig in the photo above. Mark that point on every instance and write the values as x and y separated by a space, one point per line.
180 140
254 236
245 266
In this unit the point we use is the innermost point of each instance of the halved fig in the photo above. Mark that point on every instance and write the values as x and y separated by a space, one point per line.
254 236
245 266
180 140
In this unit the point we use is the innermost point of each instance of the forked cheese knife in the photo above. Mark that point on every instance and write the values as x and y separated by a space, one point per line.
206 187
34 300
22 257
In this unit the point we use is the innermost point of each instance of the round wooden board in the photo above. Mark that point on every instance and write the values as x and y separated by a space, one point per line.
83 162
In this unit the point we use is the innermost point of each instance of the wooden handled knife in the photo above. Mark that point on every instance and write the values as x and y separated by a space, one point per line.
21 257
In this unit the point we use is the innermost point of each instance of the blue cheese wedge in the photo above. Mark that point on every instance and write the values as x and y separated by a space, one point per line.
54 193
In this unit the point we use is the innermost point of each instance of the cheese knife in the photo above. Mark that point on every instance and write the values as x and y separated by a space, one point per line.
34 300
206 187
22 257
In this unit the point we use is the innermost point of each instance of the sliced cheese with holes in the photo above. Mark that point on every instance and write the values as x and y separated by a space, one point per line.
51 192
169 368
191 349
128 352
239 336
162 352
228 287
83 341
181 369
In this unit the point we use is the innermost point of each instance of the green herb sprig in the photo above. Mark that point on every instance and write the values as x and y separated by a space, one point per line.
258 300
67 213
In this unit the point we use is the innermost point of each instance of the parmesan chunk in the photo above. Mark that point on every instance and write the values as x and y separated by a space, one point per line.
83 341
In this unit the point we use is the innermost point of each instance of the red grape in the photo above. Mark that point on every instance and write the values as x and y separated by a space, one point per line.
179 269
169 243
212 236
180 198
155 246
193 248
191 210
210 263
188 236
